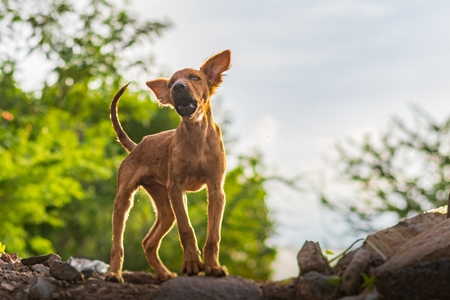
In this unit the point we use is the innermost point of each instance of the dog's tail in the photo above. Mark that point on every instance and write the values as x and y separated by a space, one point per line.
122 136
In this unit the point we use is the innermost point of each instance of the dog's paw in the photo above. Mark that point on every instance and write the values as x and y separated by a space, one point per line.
113 277
216 271
166 276
192 267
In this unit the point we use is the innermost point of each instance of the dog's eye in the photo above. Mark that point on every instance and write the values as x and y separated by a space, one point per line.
170 85
194 78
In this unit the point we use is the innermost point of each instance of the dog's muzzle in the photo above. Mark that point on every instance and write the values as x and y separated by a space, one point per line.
184 104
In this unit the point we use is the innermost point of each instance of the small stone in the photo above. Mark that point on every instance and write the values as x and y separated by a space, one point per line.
316 286
351 279
64 271
41 290
40 268
7 286
10 258
87 265
41 259
310 258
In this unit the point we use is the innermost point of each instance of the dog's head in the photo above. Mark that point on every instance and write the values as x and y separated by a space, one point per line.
189 90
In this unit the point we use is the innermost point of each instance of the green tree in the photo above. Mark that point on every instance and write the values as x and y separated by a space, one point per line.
404 171
58 157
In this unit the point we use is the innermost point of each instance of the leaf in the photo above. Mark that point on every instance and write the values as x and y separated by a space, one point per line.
369 281
335 280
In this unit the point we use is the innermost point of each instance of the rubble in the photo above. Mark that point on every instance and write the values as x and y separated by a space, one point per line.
410 260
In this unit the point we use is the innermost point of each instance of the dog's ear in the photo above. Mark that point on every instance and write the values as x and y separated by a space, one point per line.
161 90
215 66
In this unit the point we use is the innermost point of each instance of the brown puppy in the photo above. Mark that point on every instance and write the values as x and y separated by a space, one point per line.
171 163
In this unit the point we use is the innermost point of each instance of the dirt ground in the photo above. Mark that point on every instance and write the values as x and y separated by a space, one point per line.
19 281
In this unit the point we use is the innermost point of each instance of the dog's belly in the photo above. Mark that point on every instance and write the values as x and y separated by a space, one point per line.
194 185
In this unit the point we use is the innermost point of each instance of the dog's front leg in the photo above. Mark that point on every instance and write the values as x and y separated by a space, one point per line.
192 263
216 205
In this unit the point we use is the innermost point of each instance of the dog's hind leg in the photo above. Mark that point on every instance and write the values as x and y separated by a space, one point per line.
122 206
165 219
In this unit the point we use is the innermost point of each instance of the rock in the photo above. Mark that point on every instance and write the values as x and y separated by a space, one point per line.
310 258
10 258
199 287
420 268
16 267
139 277
344 262
351 279
43 289
7 286
87 265
389 240
316 286
279 290
368 294
40 268
63 271
380 246
41 259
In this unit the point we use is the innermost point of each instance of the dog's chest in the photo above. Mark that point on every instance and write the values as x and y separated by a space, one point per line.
200 160
194 165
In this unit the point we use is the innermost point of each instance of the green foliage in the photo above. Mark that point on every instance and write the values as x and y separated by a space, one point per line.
335 280
368 281
403 172
329 252
58 157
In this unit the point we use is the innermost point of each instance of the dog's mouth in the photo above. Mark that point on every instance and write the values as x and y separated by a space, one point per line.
186 107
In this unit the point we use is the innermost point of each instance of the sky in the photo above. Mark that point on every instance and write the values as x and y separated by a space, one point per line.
306 75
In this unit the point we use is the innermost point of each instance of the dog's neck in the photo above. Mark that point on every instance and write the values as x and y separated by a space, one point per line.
202 119
198 127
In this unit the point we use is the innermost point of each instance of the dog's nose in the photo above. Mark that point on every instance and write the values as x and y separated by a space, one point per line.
179 86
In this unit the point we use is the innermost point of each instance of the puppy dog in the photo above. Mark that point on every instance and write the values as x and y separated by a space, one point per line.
171 163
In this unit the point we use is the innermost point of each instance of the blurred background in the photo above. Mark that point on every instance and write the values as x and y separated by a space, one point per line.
335 114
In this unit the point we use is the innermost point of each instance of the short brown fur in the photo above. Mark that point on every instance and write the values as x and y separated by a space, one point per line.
171 163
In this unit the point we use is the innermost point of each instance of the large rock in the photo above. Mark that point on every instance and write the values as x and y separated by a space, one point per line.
382 245
389 240
200 287
420 268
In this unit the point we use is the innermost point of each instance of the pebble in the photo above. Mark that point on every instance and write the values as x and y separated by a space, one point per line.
40 268
41 259
41 290
7 286
64 271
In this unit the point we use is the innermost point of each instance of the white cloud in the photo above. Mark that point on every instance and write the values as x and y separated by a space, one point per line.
265 131
352 8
